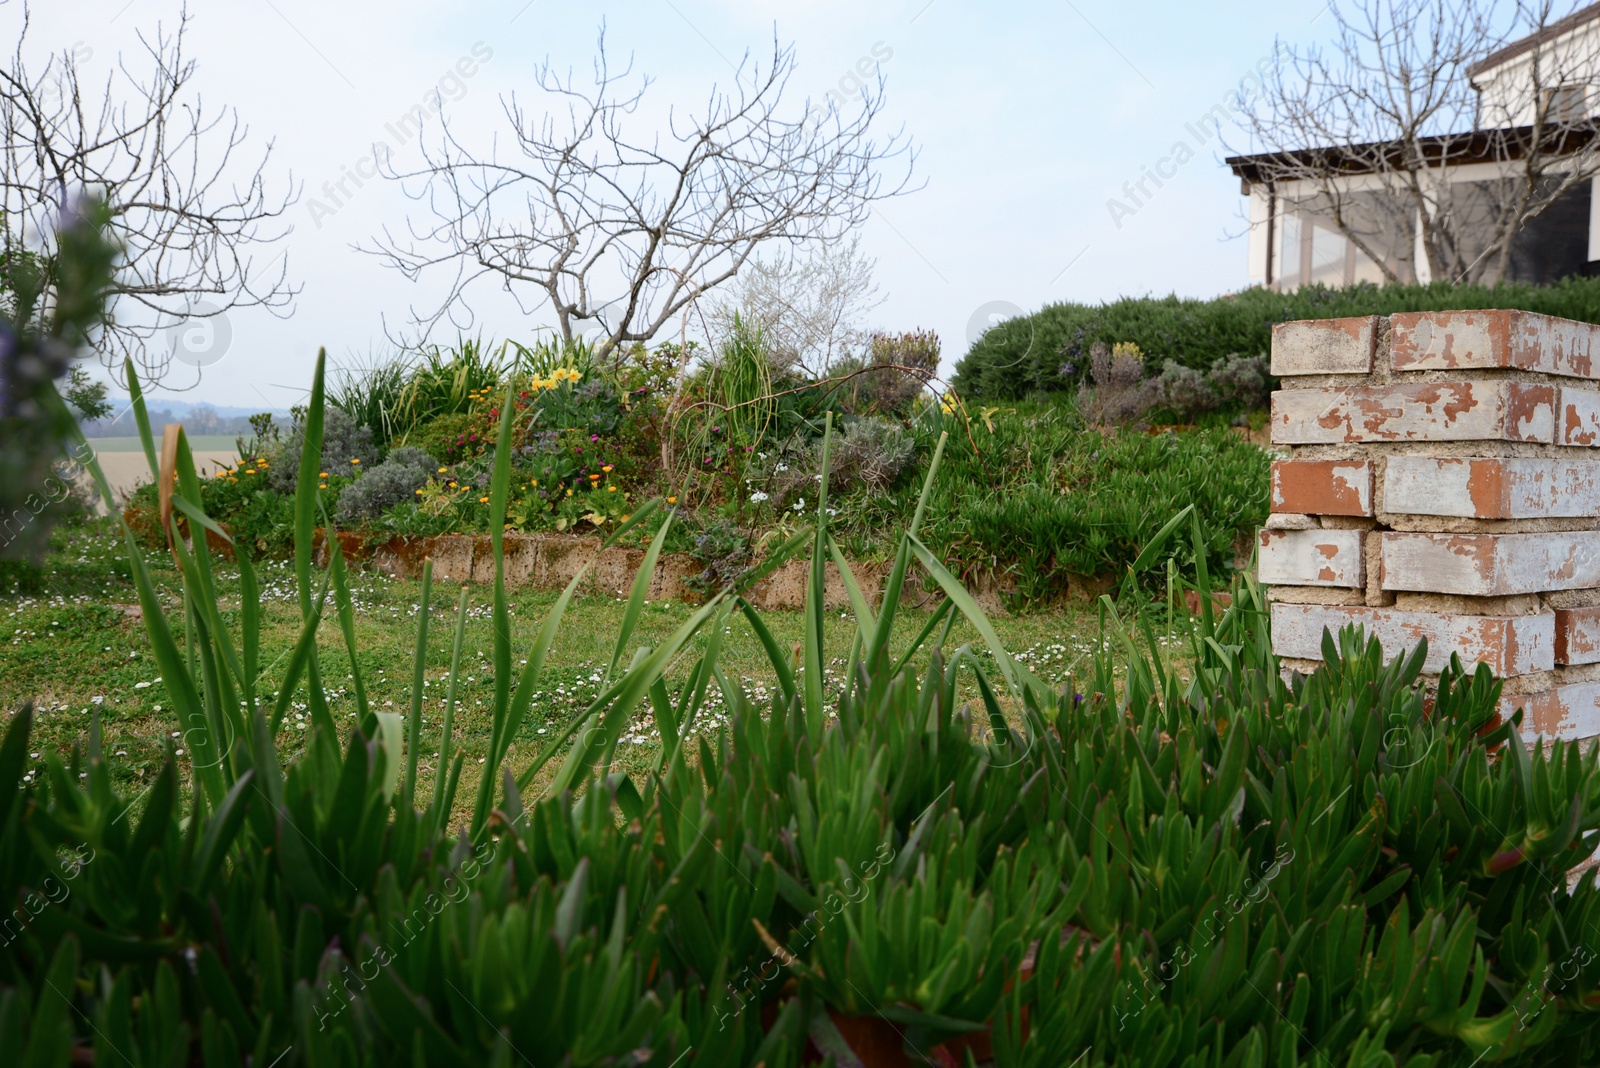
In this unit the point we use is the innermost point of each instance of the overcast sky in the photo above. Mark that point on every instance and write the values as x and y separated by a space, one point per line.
1029 119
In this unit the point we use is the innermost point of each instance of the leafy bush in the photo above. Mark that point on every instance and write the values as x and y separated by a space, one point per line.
1213 866
397 479
1121 395
723 550
884 385
868 456
50 304
451 438
346 446
1050 350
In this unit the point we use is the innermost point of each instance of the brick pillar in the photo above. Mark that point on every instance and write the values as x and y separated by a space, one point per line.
1443 482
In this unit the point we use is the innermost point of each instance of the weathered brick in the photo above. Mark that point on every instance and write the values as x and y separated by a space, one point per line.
1578 420
1578 636
1510 645
1324 346
1312 558
1559 713
1456 340
1431 411
1492 488
1491 565
1322 487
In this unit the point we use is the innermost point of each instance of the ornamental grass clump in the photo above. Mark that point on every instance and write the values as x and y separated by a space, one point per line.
946 861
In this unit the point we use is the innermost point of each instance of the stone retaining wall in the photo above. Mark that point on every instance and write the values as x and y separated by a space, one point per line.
1444 483
549 561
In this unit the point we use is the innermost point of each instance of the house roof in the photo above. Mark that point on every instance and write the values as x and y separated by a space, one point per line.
1479 146
1527 44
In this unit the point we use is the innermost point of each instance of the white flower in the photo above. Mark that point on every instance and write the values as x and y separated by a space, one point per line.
781 467
757 497
800 504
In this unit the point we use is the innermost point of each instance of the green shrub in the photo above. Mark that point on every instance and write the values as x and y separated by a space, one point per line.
1049 350
452 438
892 374
1213 866
397 479
1036 498
51 302
346 446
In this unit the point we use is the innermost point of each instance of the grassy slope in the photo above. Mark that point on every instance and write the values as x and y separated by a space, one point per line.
69 634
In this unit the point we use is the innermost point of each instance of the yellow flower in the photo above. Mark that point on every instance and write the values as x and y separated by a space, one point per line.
607 467
483 500
672 500
535 482
322 485
419 493
251 471
323 475
453 485
611 489
355 461
569 493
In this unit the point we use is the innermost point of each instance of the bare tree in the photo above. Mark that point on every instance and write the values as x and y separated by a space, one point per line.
627 232
187 213
1393 137
809 308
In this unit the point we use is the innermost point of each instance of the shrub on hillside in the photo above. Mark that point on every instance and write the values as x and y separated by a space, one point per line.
868 454
397 479
452 438
1050 350
894 372
346 446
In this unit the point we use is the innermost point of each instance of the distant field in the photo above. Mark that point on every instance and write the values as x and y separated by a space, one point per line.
197 442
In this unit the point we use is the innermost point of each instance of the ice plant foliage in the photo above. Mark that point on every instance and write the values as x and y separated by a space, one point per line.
1143 866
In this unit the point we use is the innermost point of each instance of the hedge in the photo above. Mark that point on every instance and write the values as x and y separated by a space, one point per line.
1048 350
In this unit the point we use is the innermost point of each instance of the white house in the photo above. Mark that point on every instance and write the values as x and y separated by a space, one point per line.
1293 200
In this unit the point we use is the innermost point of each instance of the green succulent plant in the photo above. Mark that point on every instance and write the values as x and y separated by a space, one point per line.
1159 865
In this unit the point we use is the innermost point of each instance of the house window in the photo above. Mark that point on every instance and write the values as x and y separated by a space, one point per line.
1289 253
1566 103
1329 250
1366 270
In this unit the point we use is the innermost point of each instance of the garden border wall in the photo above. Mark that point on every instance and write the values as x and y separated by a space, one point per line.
549 562
1443 483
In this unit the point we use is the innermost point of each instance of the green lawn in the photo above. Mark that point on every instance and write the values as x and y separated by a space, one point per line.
76 642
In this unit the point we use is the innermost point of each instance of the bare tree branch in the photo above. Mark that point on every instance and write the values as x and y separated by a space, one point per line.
188 210
627 233
1394 138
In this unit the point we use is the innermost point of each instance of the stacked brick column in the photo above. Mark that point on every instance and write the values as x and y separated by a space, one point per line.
1444 483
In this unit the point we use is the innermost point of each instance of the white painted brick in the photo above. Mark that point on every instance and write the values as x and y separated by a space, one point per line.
1312 558
1451 340
1432 411
1324 346
1578 636
1557 714
1492 487
1491 565
1579 417
1510 645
